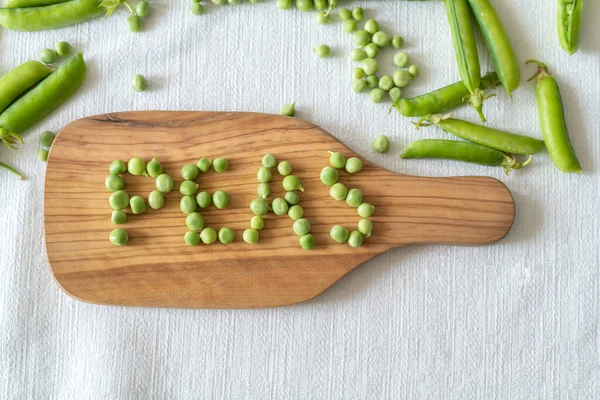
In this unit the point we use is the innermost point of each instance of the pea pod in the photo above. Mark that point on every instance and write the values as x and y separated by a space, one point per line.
30 3
19 80
49 17
461 151
443 99
45 97
552 120
498 44
465 48
569 24
494 138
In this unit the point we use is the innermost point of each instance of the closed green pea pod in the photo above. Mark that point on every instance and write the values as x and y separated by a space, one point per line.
50 17
20 79
569 24
45 97
31 3
552 120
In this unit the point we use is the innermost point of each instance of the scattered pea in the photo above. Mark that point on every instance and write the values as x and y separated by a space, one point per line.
292 198
118 217
307 242
295 212
119 237
359 86
279 206
220 199
189 172
257 222
372 81
301 227
358 73
371 26
269 161
365 227
192 238
226 235
338 191
136 166
48 56
42 155
119 200
156 200
355 239
377 95
362 38
357 55
381 39
345 14
289 110
143 9
371 50
349 26
370 66
197 8
47 138
322 51
117 167
401 78
337 160
63 49
354 198
353 165
401 59
221 164
204 164
154 168
292 183
329 176
208 236
395 94
137 205
305 5
259 206
114 183
203 199
357 13
322 18
263 190
194 221
251 236
366 210
381 144
284 168
284 4
134 23
397 41
188 204
264 175
164 183
139 83
339 234
413 70
386 83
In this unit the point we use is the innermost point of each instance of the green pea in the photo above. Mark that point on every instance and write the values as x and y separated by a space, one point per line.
386 83
395 94
136 166
164 183
295 212
284 4
114 183
292 198
362 38
220 199
370 66
320 4
338 191
208 236
371 50
377 95
117 167
119 200
192 238
204 199
329 176
401 59
381 39
359 86
251 236
257 222
135 23
143 9
397 41
345 14
381 144
413 70
372 81
259 206
220 165
194 221
279 206
263 190
118 217
156 200
47 138
349 26
401 78
339 234
204 164
366 210
292 183
289 110
307 242
322 51
353 165
139 83
322 18
358 73
304 5
189 172
226 235
355 239
372 26
337 160
119 237
48 56
301 227
42 155
154 168
63 49
358 14
284 168
354 198
365 227
197 8
137 205
218 2
188 204
234 2
264 175
357 55
269 161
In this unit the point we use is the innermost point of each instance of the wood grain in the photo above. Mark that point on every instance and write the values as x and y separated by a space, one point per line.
157 269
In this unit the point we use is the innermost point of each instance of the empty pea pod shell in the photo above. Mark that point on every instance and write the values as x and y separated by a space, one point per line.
31 3
49 17
569 24
20 79
45 97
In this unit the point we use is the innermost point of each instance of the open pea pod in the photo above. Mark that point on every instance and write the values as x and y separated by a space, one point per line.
569 24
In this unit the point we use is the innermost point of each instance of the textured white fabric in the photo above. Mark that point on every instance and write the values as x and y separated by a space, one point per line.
514 320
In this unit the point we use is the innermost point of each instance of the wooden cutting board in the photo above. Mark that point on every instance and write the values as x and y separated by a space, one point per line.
157 269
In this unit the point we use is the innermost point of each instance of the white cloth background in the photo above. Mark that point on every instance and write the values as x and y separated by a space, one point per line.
515 320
